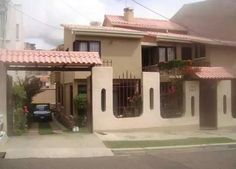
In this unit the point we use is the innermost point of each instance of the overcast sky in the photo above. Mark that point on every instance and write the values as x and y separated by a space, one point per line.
56 12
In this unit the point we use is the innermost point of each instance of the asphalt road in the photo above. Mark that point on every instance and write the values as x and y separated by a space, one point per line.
167 159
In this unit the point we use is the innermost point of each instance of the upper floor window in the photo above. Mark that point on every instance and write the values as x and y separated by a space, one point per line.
17 31
186 53
87 46
1 23
166 54
200 51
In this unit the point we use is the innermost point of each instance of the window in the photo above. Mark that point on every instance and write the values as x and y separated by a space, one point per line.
170 54
171 99
224 104
1 24
151 96
200 51
103 100
71 100
192 105
89 46
127 99
186 53
82 89
17 31
162 55
166 54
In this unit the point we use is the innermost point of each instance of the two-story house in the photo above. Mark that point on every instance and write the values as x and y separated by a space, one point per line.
132 46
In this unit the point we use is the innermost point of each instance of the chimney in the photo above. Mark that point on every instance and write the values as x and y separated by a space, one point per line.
128 14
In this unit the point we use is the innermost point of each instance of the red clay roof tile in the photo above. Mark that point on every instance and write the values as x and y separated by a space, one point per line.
49 57
144 23
213 73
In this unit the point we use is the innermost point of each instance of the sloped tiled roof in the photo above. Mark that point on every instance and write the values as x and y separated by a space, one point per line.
213 73
49 57
144 23
102 29
190 38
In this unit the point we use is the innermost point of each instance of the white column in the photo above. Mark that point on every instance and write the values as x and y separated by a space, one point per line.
102 79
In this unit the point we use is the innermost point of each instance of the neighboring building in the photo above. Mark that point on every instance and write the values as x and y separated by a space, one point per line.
11 31
134 47
29 46
209 18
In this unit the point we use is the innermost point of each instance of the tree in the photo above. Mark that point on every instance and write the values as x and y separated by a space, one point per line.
32 87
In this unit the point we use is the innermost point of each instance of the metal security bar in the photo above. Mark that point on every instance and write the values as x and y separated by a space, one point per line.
127 100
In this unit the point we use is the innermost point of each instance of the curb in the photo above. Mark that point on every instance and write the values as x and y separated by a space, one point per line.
219 145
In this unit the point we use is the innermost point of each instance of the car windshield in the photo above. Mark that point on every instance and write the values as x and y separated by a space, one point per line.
42 108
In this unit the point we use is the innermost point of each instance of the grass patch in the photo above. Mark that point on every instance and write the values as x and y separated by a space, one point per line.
160 143
45 128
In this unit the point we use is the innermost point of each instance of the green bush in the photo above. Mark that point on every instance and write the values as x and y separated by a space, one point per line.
19 100
80 102
19 121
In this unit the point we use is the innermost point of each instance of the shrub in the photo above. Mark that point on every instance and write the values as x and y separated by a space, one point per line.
80 102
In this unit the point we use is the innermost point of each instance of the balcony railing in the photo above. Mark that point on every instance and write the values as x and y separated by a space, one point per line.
174 66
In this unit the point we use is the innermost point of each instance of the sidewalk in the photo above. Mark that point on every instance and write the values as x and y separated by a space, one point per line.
172 137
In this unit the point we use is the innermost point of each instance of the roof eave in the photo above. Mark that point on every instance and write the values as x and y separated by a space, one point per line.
109 34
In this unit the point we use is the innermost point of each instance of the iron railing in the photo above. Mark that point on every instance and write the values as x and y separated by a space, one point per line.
127 100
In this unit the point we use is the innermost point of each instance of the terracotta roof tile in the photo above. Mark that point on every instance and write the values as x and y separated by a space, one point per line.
213 73
49 57
100 29
190 38
144 23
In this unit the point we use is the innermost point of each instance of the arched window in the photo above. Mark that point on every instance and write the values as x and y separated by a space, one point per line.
103 100
151 98
224 104
192 105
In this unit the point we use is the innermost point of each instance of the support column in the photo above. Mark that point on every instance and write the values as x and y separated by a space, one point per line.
3 96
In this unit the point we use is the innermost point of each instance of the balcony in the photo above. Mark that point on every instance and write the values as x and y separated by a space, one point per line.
176 69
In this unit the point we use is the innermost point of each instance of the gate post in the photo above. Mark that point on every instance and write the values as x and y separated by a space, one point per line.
102 99
3 98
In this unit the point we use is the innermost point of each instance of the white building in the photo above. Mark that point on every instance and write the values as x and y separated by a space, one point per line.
11 31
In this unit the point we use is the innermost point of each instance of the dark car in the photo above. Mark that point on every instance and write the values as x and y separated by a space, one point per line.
42 112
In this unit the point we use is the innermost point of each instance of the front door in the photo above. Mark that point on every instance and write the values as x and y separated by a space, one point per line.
208 104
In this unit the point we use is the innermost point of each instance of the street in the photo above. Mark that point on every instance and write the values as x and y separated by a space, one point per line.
162 159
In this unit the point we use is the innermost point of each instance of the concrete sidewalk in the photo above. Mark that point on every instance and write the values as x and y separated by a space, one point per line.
166 133
65 145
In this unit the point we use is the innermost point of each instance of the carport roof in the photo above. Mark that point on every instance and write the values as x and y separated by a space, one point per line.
49 58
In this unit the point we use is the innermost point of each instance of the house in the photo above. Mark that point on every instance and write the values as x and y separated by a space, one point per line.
221 14
133 88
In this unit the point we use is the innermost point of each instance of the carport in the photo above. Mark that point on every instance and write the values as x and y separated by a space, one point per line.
29 60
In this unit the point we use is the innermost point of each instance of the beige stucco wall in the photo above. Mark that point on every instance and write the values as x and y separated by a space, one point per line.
67 77
46 96
221 56
149 118
191 89
68 39
224 88
123 52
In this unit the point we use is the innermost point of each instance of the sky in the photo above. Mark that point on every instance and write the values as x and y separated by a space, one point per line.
43 26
